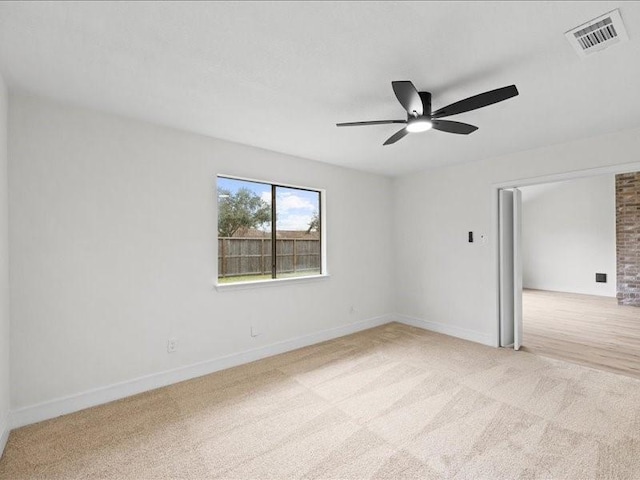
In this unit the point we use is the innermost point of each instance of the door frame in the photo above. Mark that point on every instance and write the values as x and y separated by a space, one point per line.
527 181
506 254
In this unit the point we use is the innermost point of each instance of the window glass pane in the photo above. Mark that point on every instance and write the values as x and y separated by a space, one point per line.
244 230
297 232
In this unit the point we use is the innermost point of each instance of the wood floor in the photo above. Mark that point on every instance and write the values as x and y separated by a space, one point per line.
586 329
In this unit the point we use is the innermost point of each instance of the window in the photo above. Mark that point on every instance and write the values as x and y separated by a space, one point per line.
267 231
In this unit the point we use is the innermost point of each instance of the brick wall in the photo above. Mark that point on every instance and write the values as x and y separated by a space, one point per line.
628 238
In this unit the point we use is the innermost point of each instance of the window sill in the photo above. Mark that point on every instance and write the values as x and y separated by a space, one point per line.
225 287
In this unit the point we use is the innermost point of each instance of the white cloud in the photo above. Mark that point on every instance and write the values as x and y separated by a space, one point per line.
294 222
295 212
266 197
290 201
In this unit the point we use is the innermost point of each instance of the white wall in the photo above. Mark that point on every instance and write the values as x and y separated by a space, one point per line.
569 234
113 227
4 272
440 277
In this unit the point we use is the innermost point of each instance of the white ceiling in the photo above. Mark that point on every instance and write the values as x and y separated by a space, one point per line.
279 75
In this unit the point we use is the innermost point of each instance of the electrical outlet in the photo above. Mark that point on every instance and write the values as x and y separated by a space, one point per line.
255 331
172 345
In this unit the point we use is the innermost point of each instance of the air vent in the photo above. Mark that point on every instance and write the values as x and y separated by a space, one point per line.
598 34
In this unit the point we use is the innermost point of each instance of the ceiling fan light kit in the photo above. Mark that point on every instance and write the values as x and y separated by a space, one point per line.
420 124
420 118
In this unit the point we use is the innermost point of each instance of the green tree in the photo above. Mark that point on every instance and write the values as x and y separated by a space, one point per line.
241 210
314 224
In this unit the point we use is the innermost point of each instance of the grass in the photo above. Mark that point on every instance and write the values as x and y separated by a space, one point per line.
254 278
243 278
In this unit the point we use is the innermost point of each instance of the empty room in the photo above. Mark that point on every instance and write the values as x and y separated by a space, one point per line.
579 271
280 240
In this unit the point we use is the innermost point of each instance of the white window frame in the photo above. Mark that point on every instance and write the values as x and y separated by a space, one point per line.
271 282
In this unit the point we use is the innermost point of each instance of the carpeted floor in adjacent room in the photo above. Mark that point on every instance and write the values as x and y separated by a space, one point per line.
393 402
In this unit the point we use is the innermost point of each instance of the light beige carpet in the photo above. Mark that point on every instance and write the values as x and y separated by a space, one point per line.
393 402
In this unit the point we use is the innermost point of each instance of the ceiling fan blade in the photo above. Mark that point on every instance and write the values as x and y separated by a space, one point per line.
477 101
408 97
453 127
396 136
373 122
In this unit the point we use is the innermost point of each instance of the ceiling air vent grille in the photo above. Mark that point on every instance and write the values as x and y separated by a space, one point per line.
598 34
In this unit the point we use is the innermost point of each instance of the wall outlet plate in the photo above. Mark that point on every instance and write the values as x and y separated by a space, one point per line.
172 345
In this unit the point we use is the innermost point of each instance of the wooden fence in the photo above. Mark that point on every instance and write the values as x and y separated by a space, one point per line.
252 256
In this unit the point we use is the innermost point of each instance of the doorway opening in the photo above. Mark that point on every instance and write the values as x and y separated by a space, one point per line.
565 290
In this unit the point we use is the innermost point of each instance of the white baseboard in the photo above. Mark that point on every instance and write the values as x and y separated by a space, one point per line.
73 403
451 330
4 433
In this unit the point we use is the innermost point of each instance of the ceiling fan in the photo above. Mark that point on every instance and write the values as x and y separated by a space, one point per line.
420 117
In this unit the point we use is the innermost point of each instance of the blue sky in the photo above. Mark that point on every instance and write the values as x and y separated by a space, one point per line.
295 208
